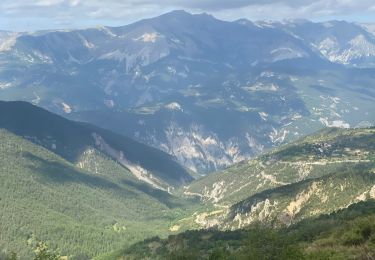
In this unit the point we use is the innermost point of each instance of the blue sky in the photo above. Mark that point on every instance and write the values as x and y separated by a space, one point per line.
31 15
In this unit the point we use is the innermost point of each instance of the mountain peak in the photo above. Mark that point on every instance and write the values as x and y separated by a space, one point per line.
182 14
176 13
244 21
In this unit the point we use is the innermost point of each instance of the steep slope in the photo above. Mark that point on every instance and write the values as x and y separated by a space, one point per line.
337 41
370 27
329 151
79 213
345 234
78 142
177 81
290 204
317 174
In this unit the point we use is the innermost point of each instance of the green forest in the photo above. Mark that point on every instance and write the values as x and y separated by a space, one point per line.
345 234
295 204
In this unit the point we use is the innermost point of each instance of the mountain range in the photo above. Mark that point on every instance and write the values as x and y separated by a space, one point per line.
211 93
187 137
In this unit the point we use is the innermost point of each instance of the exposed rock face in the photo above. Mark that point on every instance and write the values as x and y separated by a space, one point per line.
137 170
315 175
202 151
372 192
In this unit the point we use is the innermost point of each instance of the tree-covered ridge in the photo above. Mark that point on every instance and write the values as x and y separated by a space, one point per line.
329 143
78 213
345 234
71 140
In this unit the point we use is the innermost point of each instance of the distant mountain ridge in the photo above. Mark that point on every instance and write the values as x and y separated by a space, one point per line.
178 81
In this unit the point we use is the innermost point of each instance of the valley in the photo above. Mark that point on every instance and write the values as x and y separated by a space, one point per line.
186 136
98 195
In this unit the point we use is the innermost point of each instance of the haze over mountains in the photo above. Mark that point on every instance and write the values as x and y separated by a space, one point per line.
208 92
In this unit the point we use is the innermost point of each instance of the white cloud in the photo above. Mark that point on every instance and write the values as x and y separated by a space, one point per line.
73 13
47 2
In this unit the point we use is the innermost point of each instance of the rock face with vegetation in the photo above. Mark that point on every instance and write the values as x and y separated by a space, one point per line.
345 234
315 175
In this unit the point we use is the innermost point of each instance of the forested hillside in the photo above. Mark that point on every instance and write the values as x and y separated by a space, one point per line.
345 234
76 142
77 212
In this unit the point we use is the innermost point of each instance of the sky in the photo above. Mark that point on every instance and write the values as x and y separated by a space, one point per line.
32 15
